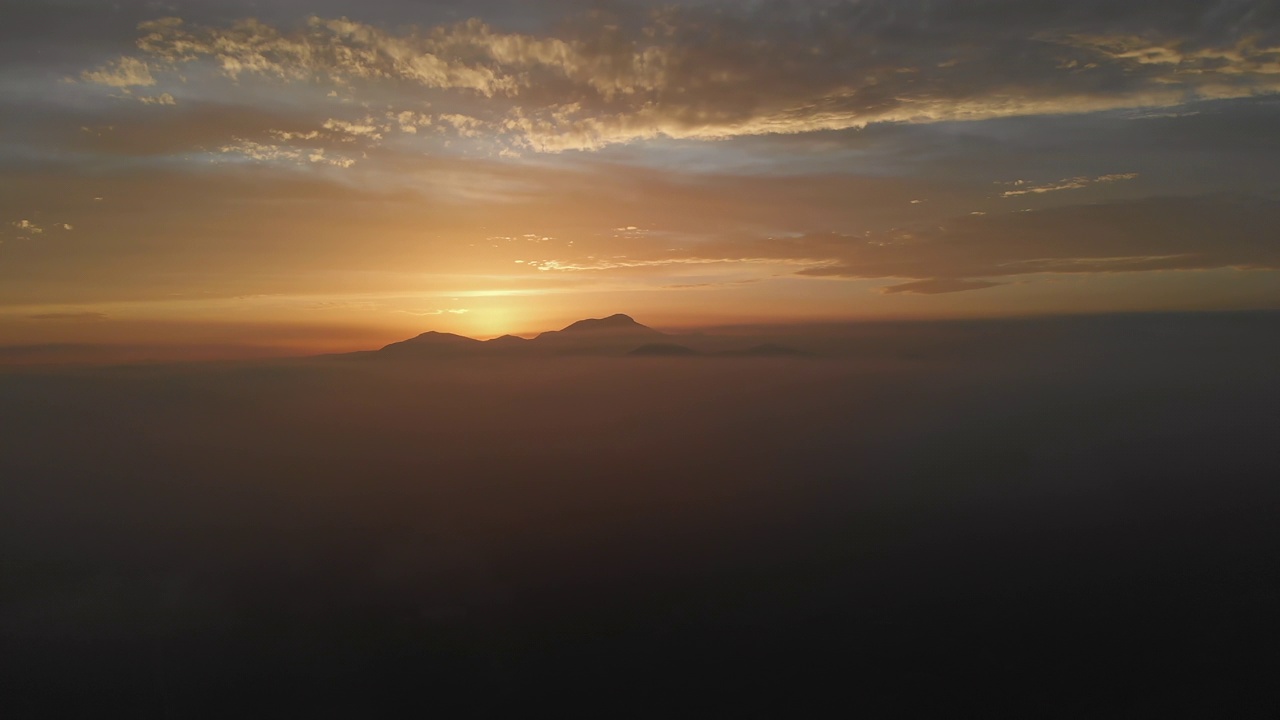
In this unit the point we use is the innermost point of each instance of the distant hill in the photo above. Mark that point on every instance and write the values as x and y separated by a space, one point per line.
614 325
613 335
507 341
433 344
616 335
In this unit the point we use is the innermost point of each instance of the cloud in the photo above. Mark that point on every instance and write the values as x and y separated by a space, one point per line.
265 152
161 99
468 56
1241 67
289 136
123 73
367 128
27 229
1075 183
464 125
409 121
716 70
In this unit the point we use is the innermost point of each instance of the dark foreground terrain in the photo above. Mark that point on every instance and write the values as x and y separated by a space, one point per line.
1058 518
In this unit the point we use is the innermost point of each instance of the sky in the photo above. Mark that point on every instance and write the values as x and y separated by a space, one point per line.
331 175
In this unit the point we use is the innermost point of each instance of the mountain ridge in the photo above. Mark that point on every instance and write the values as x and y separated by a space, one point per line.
613 335
432 339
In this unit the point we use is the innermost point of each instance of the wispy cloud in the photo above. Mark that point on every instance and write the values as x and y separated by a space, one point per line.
409 121
1022 187
468 56
264 152
366 128
161 99
123 73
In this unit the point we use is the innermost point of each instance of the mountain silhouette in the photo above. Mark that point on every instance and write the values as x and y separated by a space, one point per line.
507 341
432 344
617 326
613 324
613 335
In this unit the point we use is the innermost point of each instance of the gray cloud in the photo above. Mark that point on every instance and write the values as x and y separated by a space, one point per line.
263 152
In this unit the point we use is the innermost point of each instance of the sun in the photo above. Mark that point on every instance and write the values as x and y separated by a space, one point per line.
491 322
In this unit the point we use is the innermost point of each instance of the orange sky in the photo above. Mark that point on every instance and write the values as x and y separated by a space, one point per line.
219 174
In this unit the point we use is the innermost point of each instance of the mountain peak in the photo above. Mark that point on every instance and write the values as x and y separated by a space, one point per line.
507 340
611 323
614 334
429 341
434 336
